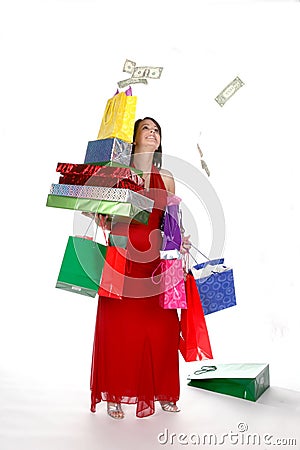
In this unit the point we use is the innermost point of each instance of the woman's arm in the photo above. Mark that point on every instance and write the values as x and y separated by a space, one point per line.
168 180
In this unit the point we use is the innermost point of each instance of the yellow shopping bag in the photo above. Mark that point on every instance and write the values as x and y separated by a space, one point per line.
118 119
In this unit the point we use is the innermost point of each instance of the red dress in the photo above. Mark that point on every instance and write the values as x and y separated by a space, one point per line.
135 354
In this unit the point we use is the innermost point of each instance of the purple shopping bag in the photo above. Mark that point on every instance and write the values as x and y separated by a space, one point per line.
171 224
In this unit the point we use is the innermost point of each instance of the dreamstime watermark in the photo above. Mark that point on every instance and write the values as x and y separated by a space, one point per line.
204 197
239 437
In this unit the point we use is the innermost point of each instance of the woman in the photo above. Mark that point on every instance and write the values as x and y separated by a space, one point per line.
135 354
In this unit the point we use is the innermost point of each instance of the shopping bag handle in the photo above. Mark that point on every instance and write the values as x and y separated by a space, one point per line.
192 245
128 92
101 226
159 275
212 262
205 369
109 110
89 225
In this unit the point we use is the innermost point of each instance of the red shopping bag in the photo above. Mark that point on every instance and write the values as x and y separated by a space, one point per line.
194 342
113 275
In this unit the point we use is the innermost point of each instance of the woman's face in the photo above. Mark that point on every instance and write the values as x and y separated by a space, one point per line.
147 135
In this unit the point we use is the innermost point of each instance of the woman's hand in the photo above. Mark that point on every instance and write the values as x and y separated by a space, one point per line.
103 221
185 244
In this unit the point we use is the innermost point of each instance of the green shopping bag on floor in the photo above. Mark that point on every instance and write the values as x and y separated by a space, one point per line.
82 266
247 381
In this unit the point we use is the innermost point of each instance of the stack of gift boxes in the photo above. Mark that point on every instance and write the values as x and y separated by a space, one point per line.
103 184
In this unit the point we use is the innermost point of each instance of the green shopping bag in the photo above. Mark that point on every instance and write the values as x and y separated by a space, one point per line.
247 381
82 266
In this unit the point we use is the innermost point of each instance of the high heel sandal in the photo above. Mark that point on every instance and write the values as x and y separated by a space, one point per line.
169 406
115 411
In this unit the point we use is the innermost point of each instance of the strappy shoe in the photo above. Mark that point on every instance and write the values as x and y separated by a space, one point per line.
115 411
169 406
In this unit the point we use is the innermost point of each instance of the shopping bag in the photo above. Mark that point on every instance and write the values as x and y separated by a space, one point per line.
81 267
118 240
215 285
113 275
171 225
119 116
247 381
194 343
172 282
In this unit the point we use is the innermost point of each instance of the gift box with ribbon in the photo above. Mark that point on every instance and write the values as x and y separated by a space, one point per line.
248 381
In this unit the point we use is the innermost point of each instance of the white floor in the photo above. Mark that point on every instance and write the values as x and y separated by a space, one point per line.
36 415
52 106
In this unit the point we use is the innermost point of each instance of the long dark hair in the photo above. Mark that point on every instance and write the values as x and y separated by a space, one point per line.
157 156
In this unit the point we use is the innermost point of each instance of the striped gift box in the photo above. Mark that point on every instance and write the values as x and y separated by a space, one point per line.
103 193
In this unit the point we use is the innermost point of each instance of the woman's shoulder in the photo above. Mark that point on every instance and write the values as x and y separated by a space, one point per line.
168 180
165 172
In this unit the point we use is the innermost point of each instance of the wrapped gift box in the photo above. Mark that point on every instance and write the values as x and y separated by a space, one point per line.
101 175
111 149
103 193
120 210
247 381
95 180
94 167
116 164
82 266
105 169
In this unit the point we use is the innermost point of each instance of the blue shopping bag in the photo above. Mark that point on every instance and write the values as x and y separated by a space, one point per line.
217 289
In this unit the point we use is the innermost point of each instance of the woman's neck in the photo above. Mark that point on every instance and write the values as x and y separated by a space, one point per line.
143 161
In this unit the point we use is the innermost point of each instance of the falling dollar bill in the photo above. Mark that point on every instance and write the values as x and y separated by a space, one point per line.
148 72
229 91
129 81
203 163
129 66
139 74
204 166
200 151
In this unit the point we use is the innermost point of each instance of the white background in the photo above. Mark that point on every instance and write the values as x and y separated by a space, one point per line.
61 61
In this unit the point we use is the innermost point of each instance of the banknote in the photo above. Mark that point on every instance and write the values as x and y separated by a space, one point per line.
129 66
204 166
147 71
139 74
128 81
229 91
200 151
